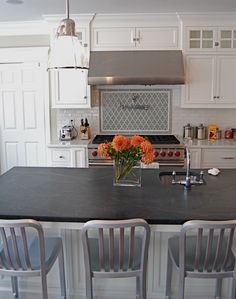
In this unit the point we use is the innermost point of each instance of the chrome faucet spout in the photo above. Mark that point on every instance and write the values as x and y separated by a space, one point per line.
188 178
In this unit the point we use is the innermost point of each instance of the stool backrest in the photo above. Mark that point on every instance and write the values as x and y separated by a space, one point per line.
212 244
14 243
116 244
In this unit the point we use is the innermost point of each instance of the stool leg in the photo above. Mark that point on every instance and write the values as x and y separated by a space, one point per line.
89 286
143 287
181 284
62 273
218 288
14 284
44 285
168 277
233 294
137 287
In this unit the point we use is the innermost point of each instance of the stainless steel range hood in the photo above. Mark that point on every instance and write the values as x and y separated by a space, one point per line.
136 67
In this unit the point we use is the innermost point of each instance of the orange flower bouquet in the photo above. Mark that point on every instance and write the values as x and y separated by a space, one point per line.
127 154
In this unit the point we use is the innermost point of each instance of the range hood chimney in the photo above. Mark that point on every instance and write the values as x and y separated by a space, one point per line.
136 67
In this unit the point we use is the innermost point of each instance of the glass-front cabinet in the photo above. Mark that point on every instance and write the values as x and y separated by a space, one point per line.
211 38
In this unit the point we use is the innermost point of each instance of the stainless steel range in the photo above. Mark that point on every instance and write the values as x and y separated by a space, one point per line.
168 150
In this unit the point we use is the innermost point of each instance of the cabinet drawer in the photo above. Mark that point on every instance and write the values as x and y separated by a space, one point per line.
224 158
60 156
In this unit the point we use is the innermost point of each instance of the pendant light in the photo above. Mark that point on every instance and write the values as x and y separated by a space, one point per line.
66 50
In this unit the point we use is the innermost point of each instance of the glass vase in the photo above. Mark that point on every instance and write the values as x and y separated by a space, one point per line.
127 173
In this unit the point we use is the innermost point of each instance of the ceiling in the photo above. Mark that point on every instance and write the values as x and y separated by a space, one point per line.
34 9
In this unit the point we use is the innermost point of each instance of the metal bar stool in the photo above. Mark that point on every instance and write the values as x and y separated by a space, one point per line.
24 252
115 249
203 250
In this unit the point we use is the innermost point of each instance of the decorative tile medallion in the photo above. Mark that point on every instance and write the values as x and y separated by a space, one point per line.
135 110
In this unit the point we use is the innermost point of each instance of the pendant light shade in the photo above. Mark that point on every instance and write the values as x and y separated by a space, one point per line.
66 50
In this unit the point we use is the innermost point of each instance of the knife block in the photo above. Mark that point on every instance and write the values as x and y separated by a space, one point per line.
84 133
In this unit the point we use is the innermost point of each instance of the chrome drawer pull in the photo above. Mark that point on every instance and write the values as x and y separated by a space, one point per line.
228 158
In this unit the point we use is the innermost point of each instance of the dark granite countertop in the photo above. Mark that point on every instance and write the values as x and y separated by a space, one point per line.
81 194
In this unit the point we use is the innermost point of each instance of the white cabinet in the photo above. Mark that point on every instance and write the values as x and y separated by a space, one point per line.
205 39
129 38
195 154
219 157
79 157
59 156
209 157
210 81
69 88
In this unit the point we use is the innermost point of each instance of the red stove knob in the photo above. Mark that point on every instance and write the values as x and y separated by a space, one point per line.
156 154
162 153
94 153
177 153
170 153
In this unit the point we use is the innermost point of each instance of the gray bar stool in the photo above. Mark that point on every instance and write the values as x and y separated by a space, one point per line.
203 250
24 252
115 249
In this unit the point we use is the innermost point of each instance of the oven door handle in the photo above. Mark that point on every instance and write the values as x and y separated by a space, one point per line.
171 164
108 163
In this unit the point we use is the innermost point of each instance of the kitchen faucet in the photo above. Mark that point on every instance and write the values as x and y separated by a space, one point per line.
190 178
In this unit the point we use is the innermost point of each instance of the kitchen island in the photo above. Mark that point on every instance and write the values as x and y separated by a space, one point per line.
81 194
64 198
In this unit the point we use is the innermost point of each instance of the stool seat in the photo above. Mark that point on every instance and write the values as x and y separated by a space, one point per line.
191 251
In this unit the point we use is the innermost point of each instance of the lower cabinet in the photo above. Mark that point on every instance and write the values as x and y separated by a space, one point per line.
213 157
195 157
222 158
67 157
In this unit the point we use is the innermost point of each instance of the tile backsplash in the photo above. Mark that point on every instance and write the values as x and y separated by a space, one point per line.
178 116
131 111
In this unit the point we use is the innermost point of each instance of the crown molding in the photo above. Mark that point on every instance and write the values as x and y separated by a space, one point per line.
25 28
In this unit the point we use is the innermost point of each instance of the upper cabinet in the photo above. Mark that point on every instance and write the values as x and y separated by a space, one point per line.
130 38
69 87
209 45
210 81
211 39
134 32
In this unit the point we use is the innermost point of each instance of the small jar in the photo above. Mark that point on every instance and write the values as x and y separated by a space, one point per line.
234 133
218 134
228 133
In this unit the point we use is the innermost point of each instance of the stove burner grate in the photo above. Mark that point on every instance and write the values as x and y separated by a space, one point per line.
154 139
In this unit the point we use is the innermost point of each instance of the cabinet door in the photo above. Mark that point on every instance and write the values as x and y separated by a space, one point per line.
161 38
195 155
79 157
200 80
226 70
221 157
116 38
70 88
203 39
227 39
